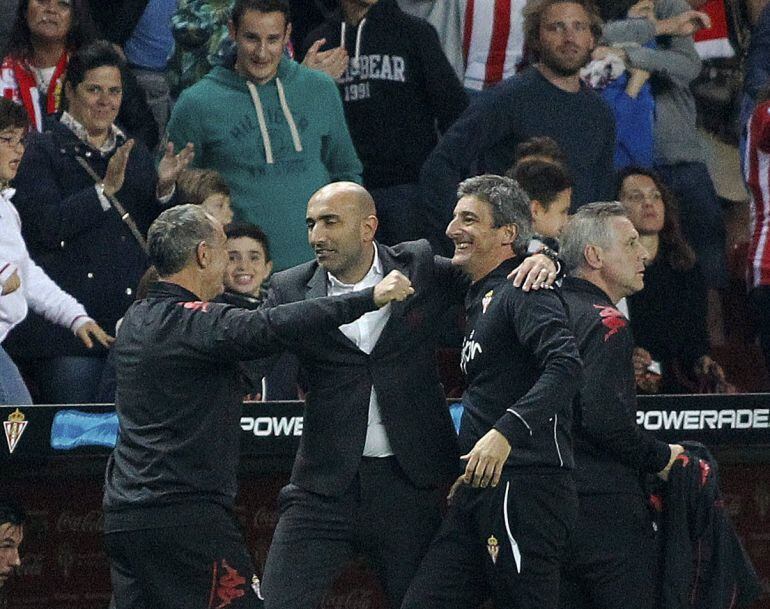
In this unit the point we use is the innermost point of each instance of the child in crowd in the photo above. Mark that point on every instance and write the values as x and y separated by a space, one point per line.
627 90
549 188
24 284
248 266
207 188
246 278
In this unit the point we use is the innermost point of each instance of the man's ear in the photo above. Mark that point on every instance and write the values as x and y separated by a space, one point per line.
593 256
287 35
509 232
369 227
231 29
536 208
202 255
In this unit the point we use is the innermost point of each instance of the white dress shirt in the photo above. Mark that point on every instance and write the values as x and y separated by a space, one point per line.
364 333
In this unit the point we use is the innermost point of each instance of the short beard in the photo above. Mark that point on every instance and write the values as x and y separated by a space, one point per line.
558 68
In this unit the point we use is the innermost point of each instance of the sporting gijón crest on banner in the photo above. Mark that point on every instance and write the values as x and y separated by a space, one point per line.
14 428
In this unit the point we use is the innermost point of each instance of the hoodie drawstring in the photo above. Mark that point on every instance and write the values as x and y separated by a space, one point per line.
263 123
289 118
359 33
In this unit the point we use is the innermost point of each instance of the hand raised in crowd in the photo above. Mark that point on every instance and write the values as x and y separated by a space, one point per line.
91 331
535 272
333 62
116 169
683 24
646 380
395 286
486 460
711 377
171 165
642 9
676 450
13 284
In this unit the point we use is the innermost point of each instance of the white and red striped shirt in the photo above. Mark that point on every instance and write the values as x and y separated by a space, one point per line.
714 42
757 174
493 41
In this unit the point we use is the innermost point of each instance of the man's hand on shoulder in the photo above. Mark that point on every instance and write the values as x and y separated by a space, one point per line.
395 286
535 272
486 460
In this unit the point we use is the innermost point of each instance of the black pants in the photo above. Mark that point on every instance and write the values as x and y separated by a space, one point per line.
382 516
759 299
612 559
505 543
197 566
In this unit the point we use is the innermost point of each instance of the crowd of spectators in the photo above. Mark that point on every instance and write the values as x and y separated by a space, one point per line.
271 101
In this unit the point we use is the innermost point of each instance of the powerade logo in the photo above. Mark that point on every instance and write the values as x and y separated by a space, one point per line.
272 426
704 420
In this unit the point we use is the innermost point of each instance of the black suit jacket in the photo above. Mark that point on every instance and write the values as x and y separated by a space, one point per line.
402 368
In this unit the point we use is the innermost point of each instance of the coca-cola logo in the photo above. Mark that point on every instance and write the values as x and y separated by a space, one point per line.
90 522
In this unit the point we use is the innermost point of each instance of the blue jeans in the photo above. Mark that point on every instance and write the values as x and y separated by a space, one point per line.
68 379
13 391
700 216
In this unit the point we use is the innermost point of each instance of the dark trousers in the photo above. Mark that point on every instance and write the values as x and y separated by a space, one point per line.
505 543
382 516
196 566
701 217
612 560
759 298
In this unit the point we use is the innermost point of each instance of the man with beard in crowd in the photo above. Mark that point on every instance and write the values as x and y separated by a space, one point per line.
548 99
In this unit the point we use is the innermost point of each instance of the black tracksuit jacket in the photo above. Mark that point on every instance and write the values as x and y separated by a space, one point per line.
611 451
523 369
179 398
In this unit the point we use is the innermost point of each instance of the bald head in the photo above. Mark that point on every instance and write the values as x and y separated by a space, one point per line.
341 222
347 193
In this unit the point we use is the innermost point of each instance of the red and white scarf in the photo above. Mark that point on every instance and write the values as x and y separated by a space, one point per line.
18 83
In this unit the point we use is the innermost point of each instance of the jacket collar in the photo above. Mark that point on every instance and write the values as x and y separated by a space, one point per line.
576 284
492 278
166 289
317 288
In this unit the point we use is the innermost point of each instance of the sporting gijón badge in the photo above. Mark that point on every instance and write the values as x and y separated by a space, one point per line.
14 427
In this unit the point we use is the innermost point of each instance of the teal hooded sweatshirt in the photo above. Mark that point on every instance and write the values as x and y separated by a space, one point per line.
273 154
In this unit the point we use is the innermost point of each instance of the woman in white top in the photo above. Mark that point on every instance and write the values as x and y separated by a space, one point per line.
24 284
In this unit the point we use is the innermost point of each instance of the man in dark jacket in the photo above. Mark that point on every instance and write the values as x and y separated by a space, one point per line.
611 561
171 480
399 93
507 526
378 442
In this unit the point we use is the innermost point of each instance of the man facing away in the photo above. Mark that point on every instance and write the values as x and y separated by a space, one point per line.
171 482
399 93
611 560
512 510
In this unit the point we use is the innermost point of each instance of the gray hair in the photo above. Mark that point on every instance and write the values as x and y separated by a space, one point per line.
509 203
588 226
174 236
